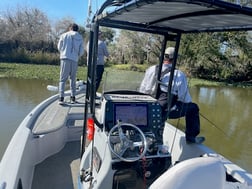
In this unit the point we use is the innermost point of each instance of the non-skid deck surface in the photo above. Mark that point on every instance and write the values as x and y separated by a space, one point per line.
59 171
55 116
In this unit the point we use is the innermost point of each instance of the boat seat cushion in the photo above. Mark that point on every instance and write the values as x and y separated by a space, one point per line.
195 173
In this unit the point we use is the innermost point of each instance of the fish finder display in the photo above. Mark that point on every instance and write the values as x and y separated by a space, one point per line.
136 114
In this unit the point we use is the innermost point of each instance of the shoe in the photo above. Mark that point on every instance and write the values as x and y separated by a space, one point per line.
97 97
73 99
196 140
61 101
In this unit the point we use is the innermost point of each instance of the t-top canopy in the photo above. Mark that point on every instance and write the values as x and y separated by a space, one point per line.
179 16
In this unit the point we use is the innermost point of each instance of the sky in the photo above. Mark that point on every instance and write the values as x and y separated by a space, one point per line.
55 9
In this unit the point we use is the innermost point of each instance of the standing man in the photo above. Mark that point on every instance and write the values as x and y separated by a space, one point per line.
71 48
102 52
182 104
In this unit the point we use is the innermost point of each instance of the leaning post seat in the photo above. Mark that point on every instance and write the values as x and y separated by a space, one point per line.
195 173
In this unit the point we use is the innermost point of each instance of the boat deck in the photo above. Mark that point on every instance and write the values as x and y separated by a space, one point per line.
60 170
56 116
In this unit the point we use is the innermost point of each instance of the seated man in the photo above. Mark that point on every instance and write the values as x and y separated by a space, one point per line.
182 104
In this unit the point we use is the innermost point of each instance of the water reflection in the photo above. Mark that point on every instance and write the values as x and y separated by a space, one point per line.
229 111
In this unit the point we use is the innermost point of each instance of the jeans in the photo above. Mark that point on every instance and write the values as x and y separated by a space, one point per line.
179 109
99 73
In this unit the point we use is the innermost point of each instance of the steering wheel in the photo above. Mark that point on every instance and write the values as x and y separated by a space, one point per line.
122 145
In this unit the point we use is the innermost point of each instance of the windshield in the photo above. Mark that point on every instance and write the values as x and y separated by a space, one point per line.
120 79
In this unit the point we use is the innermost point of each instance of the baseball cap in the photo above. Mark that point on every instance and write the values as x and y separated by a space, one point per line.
170 51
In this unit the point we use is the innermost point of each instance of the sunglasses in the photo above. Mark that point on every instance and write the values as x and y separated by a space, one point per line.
166 56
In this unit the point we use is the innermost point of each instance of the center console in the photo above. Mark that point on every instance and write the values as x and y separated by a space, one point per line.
144 112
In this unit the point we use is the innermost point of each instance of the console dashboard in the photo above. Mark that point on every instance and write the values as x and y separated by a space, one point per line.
141 110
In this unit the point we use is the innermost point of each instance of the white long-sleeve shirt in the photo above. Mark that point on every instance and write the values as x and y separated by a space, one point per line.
148 83
101 53
179 84
71 46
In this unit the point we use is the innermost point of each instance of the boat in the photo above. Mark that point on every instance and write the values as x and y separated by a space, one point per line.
108 140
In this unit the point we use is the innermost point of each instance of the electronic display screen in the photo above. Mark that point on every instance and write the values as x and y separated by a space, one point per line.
136 114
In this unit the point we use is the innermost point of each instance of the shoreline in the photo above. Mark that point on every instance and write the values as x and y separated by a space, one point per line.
51 73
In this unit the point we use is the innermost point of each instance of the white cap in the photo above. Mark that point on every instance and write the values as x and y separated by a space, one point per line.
170 51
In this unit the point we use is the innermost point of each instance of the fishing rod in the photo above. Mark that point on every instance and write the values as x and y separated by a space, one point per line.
213 124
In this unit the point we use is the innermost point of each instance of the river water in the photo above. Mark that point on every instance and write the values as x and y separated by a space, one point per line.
225 115
17 98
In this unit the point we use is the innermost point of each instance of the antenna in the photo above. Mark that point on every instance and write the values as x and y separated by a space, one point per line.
89 8
89 12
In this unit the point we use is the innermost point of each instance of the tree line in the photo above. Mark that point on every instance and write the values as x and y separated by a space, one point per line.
27 36
224 56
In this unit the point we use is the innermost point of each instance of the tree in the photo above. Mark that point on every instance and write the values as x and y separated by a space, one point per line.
221 56
108 34
27 24
62 26
25 31
136 48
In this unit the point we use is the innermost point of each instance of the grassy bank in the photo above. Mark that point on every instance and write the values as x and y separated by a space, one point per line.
32 71
50 72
